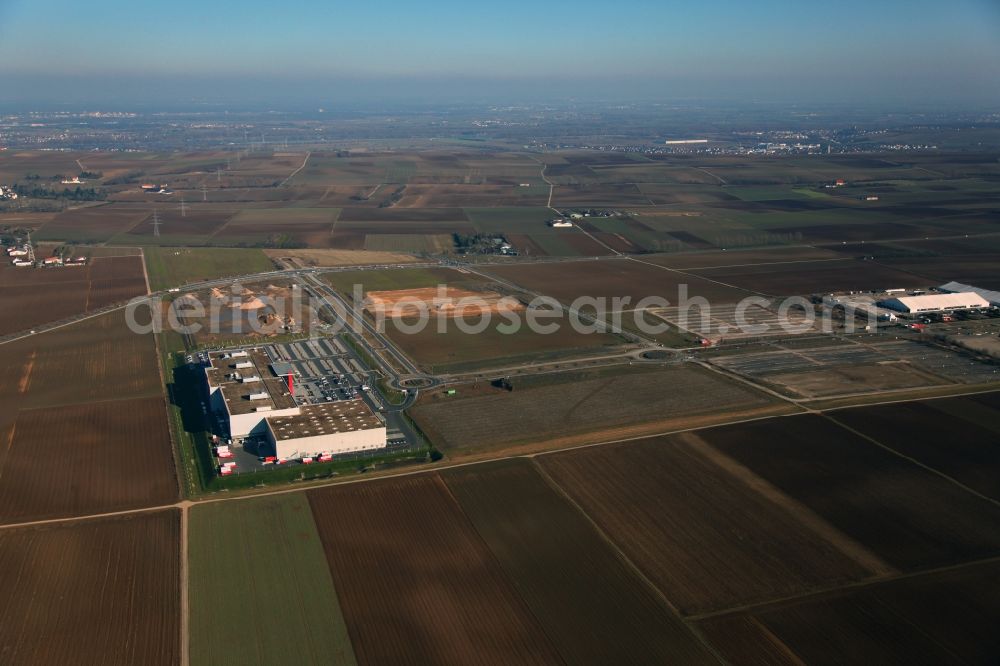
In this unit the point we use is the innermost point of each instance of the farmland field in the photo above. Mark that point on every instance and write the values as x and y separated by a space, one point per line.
172 267
196 220
35 296
582 498
93 224
947 617
705 532
615 278
260 586
99 591
94 457
429 243
955 436
78 402
456 350
548 549
101 354
412 216
629 403
389 280
444 196
416 582
817 277
906 515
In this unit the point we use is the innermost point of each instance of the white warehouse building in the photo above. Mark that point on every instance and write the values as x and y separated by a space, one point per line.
926 303
256 399
990 295
346 426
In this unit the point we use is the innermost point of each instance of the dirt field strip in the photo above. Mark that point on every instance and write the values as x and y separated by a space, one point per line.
722 181
769 263
599 242
145 273
185 619
294 173
108 514
551 185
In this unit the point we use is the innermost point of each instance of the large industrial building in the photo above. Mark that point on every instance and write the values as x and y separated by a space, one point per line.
956 287
928 303
257 400
344 426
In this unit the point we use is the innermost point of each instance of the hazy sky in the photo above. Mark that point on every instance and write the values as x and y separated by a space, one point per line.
882 50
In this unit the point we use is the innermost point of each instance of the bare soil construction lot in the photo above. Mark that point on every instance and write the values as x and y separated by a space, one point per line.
101 591
457 350
439 302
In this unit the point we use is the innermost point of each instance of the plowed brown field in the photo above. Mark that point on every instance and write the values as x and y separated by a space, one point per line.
415 581
89 458
102 591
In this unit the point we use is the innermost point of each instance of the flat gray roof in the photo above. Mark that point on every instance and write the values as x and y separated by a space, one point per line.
282 368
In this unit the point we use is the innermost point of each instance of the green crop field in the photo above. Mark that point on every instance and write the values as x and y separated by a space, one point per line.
261 591
510 219
432 243
172 267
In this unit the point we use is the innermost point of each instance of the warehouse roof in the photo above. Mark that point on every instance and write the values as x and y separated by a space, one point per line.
235 390
936 302
992 296
325 419
282 368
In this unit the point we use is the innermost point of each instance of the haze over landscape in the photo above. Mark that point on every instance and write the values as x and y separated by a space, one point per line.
647 332
331 53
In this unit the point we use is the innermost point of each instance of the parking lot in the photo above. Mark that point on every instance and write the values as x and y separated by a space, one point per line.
322 370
